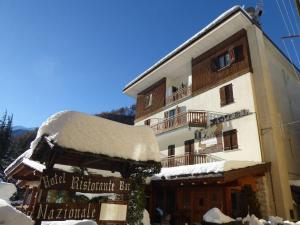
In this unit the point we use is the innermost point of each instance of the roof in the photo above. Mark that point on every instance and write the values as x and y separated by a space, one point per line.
218 169
219 20
23 159
90 134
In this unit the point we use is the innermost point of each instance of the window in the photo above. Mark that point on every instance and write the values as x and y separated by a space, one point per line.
230 140
171 150
147 122
148 100
226 95
232 55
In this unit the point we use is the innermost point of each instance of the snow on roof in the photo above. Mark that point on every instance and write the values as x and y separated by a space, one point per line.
205 168
24 158
295 183
86 133
215 215
186 43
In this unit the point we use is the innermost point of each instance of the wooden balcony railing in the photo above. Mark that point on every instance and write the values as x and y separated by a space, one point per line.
191 118
188 159
179 94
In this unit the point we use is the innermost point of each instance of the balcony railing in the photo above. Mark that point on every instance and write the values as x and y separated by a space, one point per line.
179 94
191 118
188 159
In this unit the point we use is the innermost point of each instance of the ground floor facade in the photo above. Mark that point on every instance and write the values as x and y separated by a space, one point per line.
185 200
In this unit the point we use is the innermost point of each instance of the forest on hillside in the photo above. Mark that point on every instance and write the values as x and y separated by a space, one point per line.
12 145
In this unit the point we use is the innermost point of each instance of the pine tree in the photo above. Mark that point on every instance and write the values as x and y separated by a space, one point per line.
5 139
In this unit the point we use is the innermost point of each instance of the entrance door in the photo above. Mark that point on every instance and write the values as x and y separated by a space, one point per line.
200 203
189 152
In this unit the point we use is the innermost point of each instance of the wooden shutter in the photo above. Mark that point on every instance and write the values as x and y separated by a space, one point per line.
234 142
239 53
226 137
229 94
222 96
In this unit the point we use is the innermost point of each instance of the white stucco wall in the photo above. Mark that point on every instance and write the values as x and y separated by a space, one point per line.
247 132
287 94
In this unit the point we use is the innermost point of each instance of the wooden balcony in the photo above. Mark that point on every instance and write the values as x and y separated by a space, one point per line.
191 119
179 94
188 159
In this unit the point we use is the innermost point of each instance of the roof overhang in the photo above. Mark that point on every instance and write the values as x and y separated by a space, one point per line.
179 60
221 177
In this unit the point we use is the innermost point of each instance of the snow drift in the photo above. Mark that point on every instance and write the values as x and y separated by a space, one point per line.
215 215
7 190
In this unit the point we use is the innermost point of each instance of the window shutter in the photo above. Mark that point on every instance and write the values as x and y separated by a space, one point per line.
229 94
214 64
234 143
232 55
239 53
222 96
226 137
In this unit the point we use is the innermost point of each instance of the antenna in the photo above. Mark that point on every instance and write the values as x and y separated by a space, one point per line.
256 12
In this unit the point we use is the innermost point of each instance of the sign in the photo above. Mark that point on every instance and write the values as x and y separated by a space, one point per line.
231 116
102 212
59 180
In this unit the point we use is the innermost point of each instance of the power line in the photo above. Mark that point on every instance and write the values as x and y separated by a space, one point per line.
294 16
289 33
292 41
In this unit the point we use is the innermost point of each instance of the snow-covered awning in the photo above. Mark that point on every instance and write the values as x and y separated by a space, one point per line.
212 169
23 161
295 183
90 134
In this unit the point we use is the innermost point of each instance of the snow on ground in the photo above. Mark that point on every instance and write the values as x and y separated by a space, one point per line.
70 222
10 216
205 168
146 218
93 134
215 215
7 190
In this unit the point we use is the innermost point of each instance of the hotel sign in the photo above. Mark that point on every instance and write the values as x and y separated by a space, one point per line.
231 116
114 211
59 180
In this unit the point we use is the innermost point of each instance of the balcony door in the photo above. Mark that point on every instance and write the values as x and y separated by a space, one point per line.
189 151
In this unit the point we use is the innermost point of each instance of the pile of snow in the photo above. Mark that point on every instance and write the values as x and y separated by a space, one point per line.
205 168
70 222
274 220
215 215
11 216
146 218
7 190
255 221
86 133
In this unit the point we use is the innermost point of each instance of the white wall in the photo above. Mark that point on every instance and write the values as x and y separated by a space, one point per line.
287 93
248 139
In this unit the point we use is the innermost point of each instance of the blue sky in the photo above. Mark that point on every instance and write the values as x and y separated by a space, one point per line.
78 55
